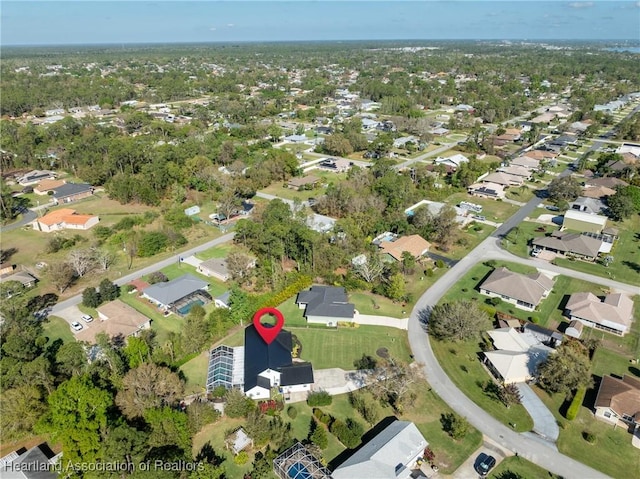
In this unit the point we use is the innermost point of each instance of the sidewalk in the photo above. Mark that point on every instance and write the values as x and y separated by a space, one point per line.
387 321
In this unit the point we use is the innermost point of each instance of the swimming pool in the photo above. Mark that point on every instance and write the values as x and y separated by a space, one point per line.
187 307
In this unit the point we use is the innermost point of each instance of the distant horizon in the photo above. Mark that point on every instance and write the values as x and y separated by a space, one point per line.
73 23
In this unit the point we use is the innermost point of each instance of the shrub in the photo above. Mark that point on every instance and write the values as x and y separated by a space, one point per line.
494 301
439 263
157 277
589 437
348 433
576 402
317 412
319 437
127 288
534 319
242 458
320 398
428 272
292 412
454 425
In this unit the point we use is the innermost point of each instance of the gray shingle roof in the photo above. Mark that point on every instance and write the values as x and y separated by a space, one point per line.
329 301
170 292
570 243
530 289
70 189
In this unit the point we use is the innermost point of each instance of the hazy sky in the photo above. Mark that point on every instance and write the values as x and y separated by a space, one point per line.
29 22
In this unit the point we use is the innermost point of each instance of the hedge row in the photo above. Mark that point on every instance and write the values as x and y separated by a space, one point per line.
576 402
300 283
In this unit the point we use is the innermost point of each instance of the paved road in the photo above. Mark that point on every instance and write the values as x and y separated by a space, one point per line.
27 217
430 154
149 269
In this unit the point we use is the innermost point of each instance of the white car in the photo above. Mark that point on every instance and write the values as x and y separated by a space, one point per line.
86 318
76 326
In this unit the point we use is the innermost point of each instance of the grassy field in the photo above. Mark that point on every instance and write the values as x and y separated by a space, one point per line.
517 467
162 325
522 195
279 188
612 452
57 328
462 364
331 348
519 244
220 251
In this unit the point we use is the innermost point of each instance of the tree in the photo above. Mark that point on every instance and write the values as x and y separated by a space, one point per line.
566 370
91 298
124 444
454 425
365 362
108 290
147 387
392 381
445 226
199 414
370 269
237 404
565 188
239 266
624 203
169 427
71 359
509 395
457 321
77 416
61 275
408 262
319 435
21 409
104 258
81 260
395 289
137 351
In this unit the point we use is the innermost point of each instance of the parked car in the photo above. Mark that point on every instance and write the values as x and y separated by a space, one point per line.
484 464
76 326
553 208
535 252
479 217
86 318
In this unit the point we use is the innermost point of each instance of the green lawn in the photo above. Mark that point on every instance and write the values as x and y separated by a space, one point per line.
173 271
369 303
331 348
514 467
280 189
162 325
195 372
612 453
519 243
57 328
522 195
461 363
220 251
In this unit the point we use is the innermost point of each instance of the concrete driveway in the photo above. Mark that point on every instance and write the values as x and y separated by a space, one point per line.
544 423
490 448
338 381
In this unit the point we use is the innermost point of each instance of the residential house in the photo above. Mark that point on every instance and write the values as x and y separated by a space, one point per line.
45 186
633 149
25 278
516 170
573 244
222 301
613 314
302 183
487 190
64 218
415 245
454 161
296 138
619 400
36 176
390 454
517 355
167 296
6 269
504 179
338 165
39 462
369 124
299 463
216 267
607 182
583 222
402 141
325 305
546 336
597 192
439 131
72 192
524 291
593 206
320 223
539 155
116 319
271 365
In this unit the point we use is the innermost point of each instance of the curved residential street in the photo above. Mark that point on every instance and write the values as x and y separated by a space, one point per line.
526 445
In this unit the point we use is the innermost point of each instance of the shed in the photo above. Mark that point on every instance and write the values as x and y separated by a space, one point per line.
574 329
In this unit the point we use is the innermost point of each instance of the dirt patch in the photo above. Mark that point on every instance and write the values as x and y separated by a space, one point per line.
382 353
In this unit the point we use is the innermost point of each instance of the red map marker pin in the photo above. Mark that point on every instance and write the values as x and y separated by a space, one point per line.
266 332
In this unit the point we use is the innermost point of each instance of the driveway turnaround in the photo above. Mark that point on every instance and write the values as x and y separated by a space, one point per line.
544 423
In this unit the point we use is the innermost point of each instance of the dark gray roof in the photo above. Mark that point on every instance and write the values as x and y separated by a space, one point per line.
170 292
570 243
70 189
260 356
329 301
224 297
298 373
31 464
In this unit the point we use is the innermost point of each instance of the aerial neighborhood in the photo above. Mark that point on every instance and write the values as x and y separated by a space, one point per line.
432 221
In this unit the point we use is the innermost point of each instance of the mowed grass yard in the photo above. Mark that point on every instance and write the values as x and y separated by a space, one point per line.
517 467
280 189
493 210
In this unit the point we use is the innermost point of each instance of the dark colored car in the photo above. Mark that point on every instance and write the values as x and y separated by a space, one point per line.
484 464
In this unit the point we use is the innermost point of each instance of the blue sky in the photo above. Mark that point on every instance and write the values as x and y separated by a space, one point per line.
29 22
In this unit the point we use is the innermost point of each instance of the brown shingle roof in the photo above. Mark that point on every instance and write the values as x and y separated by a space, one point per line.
616 308
530 288
570 243
414 244
621 395
305 180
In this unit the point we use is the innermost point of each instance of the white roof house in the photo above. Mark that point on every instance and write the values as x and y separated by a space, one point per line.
455 161
389 455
